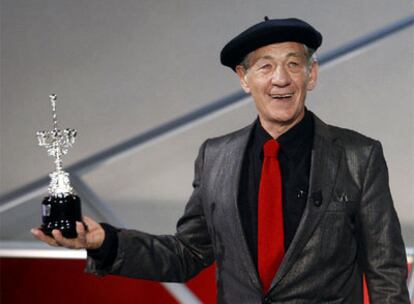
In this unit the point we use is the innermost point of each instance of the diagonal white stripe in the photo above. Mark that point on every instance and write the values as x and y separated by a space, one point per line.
182 293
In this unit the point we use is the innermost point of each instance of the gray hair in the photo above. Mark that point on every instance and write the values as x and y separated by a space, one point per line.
309 53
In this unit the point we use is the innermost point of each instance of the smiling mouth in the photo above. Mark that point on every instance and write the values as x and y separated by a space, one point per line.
281 96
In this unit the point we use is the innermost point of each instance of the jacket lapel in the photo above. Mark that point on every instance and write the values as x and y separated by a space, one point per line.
234 161
324 166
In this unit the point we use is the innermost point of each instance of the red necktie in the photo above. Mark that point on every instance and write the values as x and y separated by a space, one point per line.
271 248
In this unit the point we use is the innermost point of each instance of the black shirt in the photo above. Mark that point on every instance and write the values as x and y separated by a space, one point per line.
294 158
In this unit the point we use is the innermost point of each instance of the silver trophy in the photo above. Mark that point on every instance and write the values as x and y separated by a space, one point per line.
61 208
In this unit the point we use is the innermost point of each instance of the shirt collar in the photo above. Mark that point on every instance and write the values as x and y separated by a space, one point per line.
293 141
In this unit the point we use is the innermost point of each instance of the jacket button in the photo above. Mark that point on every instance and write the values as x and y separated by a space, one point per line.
317 203
266 300
317 198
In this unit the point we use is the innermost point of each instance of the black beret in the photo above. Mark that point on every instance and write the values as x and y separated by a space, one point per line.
268 32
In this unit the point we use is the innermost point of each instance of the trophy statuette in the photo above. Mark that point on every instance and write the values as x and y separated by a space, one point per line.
61 208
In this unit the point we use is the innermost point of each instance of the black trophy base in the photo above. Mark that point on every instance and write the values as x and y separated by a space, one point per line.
61 212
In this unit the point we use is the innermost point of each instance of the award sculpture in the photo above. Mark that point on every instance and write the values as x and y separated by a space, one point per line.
61 208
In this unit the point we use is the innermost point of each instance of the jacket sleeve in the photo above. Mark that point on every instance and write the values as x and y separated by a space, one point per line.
383 256
168 258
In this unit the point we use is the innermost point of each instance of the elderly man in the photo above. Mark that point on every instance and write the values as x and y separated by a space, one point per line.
291 209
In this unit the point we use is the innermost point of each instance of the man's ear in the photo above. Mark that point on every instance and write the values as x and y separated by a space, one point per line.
313 75
242 73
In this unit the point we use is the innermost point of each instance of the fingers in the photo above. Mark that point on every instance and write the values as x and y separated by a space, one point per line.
37 233
77 243
58 239
65 242
57 235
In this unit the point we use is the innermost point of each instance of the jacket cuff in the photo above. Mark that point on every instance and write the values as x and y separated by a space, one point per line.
105 255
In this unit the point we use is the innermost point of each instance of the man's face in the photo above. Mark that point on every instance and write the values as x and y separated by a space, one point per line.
278 77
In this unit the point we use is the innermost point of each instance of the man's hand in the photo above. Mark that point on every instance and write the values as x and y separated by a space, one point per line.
92 238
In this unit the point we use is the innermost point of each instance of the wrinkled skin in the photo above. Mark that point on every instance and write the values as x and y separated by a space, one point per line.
278 78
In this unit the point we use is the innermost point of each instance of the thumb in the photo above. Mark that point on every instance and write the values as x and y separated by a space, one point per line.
89 221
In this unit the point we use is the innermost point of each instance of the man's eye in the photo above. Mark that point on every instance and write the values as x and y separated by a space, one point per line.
293 64
265 66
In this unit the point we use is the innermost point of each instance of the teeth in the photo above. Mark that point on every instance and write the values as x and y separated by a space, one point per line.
281 95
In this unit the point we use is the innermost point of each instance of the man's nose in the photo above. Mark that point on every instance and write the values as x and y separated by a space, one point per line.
281 77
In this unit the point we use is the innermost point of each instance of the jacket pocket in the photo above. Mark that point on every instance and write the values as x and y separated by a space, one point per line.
344 201
338 243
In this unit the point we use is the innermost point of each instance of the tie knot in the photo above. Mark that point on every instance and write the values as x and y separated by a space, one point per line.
271 148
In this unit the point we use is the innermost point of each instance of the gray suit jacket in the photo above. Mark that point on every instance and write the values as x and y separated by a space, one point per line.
349 227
